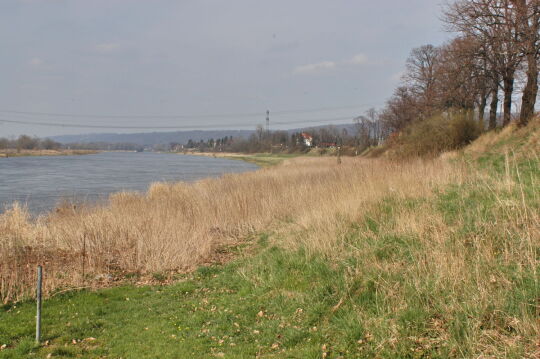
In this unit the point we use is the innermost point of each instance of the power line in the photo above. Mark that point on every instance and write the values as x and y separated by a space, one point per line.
194 127
221 115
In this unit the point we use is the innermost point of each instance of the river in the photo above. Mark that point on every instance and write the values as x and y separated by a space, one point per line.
43 182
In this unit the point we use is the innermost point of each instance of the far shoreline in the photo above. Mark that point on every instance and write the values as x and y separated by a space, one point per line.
39 153
260 159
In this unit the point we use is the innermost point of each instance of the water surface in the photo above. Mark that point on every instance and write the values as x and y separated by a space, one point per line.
43 182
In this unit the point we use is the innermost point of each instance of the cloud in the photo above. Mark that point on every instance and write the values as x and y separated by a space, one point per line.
36 61
107 47
359 59
317 67
356 60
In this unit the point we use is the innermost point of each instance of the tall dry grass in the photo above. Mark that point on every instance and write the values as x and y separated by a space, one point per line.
176 227
463 262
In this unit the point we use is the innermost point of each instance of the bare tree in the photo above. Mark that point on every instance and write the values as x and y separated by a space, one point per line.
4 143
470 78
462 76
528 15
400 110
421 72
495 24
368 130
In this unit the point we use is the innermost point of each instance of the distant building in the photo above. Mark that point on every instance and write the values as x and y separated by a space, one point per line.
307 138
327 144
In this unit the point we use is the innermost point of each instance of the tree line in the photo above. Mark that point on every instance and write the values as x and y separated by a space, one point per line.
25 142
451 93
497 44
272 141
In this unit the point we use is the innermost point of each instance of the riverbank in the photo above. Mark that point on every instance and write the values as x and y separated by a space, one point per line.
260 159
24 153
309 258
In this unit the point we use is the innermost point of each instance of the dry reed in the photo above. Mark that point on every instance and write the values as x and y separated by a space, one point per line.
178 226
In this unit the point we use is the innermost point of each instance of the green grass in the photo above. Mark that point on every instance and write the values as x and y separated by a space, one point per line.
264 159
274 303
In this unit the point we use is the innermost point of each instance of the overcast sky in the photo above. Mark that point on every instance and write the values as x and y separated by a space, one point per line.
202 57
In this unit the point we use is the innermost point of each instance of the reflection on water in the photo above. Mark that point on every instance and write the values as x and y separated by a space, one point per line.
43 182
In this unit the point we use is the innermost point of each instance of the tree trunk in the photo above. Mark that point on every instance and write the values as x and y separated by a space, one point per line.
530 91
508 84
529 22
493 107
482 110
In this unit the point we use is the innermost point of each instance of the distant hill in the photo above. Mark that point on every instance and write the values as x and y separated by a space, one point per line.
151 138
158 138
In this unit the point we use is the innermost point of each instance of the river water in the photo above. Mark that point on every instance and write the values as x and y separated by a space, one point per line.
43 182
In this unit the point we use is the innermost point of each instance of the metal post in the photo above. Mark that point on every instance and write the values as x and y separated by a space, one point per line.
83 258
38 301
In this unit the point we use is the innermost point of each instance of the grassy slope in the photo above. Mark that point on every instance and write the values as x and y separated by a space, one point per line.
293 304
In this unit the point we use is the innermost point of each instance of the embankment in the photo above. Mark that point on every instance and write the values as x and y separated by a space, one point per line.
367 258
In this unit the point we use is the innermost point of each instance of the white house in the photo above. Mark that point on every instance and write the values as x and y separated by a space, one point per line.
307 138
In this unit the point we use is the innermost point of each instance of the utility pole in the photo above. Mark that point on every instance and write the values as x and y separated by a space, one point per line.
268 130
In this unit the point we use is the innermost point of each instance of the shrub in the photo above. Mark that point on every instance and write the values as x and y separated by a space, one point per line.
434 135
